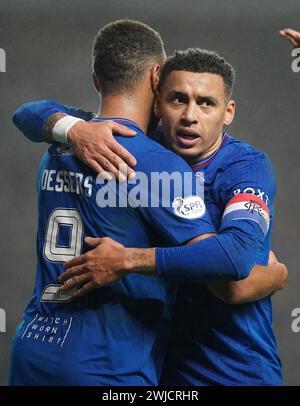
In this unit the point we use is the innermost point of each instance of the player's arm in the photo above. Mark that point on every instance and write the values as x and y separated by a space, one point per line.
93 142
292 35
229 255
108 261
223 257
37 119
96 267
263 281
254 175
246 188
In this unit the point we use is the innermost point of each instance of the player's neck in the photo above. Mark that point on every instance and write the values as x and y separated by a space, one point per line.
210 150
133 107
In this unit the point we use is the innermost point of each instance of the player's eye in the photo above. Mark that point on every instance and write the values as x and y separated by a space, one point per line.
178 99
206 102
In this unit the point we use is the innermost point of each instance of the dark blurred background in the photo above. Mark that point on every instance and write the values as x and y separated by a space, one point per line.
48 49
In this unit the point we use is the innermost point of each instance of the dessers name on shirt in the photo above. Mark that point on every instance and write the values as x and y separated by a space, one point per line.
66 181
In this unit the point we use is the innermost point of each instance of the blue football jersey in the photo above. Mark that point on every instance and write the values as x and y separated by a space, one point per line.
214 343
115 335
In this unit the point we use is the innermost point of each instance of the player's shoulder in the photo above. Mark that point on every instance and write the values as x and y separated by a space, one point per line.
152 155
238 151
243 168
243 164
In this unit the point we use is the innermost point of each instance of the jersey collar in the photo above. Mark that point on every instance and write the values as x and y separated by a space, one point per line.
207 160
119 120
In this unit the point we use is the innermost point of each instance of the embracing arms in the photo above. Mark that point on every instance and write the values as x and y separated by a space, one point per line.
94 145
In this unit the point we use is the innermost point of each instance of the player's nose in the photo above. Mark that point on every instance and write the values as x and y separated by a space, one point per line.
190 114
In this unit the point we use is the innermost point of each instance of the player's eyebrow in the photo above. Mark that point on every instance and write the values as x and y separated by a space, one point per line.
200 99
210 99
175 93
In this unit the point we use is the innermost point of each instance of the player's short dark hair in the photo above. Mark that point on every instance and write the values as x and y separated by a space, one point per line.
199 60
123 51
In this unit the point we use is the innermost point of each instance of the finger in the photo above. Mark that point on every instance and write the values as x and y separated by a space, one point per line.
75 282
113 163
282 32
125 170
290 32
93 242
131 174
81 259
106 175
94 165
114 174
84 289
292 35
122 129
123 153
291 39
112 170
272 258
119 163
74 271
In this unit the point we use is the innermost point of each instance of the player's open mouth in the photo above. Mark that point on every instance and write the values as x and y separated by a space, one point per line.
187 138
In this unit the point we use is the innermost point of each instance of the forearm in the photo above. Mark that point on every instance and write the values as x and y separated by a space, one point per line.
36 120
49 125
262 282
179 263
225 257
30 118
141 261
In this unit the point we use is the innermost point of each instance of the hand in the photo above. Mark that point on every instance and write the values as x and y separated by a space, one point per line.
281 269
282 273
272 258
262 281
95 145
292 35
103 265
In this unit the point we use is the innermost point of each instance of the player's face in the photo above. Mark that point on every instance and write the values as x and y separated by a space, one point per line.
193 109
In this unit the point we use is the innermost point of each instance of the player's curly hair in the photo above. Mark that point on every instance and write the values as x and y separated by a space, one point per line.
199 60
123 51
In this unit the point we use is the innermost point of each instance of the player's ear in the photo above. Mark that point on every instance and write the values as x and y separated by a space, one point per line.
229 113
96 82
155 70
